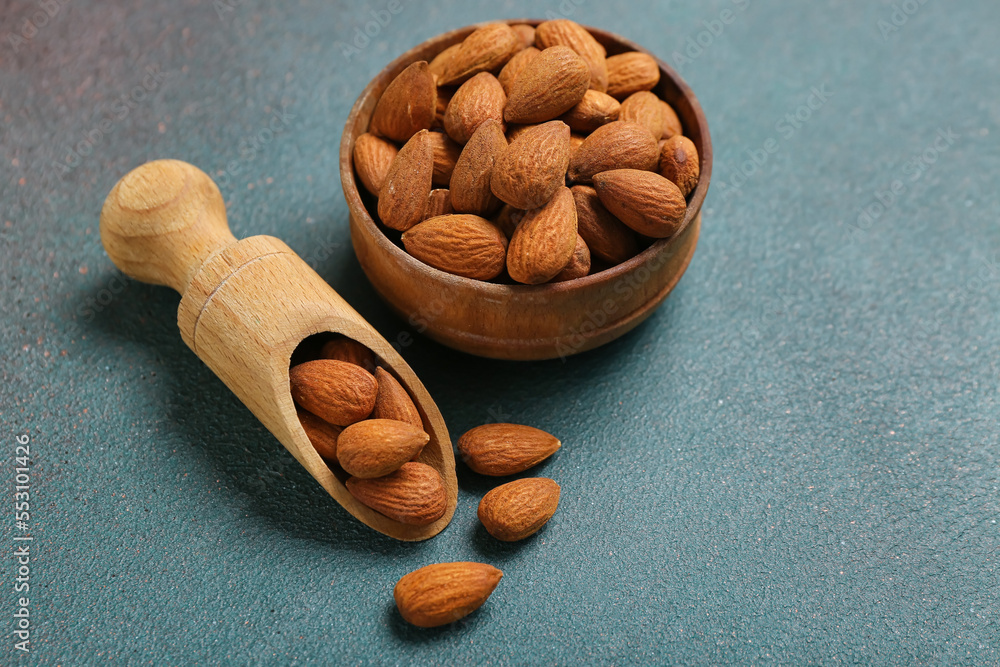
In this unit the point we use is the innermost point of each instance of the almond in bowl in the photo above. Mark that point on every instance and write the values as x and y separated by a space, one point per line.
575 167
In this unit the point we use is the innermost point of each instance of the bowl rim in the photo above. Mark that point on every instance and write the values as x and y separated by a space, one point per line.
356 206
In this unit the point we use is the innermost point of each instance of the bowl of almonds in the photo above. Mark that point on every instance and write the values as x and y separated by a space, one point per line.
525 189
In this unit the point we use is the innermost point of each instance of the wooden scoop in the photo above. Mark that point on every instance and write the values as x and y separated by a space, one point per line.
245 307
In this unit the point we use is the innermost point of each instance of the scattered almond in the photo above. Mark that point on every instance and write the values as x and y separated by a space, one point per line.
533 167
617 145
608 239
594 110
393 402
551 84
403 198
461 244
445 592
372 158
322 434
414 494
377 447
643 200
679 163
505 449
519 509
407 105
544 241
631 72
579 263
471 181
487 49
646 109
445 152
572 34
346 349
336 391
514 67
479 99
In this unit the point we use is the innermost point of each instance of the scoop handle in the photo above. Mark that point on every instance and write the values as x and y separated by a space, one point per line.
162 220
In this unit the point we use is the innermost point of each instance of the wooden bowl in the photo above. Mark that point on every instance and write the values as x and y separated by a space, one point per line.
522 321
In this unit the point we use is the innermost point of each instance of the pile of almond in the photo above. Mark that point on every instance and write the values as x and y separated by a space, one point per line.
361 420
527 154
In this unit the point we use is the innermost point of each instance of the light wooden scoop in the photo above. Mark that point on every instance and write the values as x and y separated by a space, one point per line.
245 307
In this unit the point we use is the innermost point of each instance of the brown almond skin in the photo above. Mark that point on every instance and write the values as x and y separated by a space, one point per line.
548 86
479 99
505 449
444 96
485 50
322 434
631 72
572 34
671 122
679 163
403 198
579 263
346 349
515 66
647 202
461 244
525 33
439 203
439 63
372 158
617 145
443 593
519 509
646 109
407 105
544 241
376 447
336 391
471 190
508 219
607 237
414 494
594 110
533 167
445 152
393 401
514 131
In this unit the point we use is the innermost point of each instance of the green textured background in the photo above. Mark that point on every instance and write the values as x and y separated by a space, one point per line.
795 460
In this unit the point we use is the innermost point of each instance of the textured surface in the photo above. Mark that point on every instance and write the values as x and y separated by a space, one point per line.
795 460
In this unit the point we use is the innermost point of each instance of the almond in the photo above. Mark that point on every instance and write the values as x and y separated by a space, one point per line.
525 33
464 245
671 123
594 110
414 494
514 67
403 197
544 241
508 219
407 105
346 349
679 163
579 263
444 96
393 402
575 141
439 63
445 152
322 434
519 509
514 131
439 203
505 449
646 202
608 239
617 145
470 187
377 447
646 109
445 592
372 158
548 86
533 167
336 391
485 50
631 72
479 99
570 33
